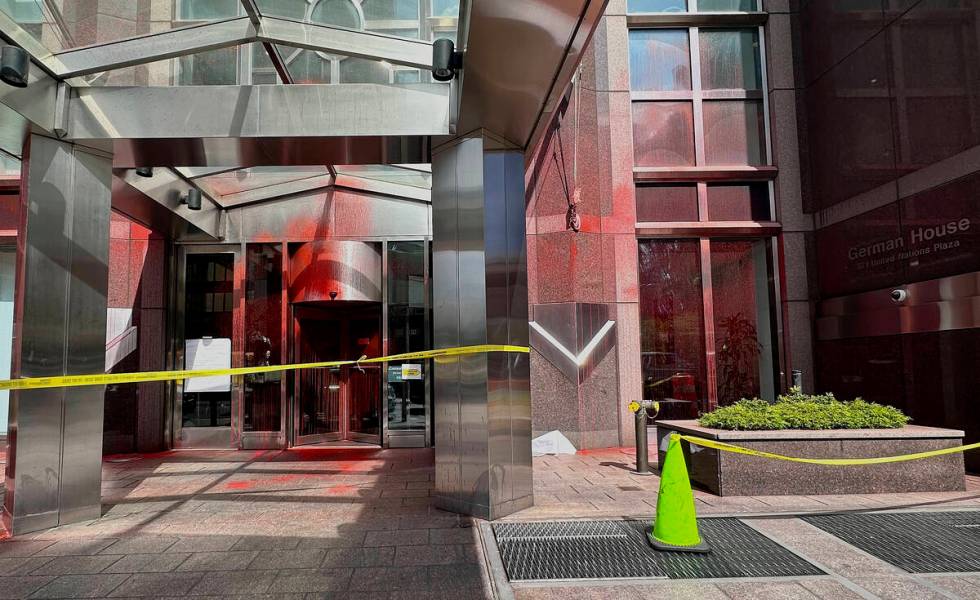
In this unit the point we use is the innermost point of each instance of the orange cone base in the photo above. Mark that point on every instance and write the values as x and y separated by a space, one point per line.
701 548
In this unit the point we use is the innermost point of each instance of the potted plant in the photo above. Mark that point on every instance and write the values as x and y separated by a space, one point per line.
815 426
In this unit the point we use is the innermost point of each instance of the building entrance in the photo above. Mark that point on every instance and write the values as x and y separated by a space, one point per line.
338 403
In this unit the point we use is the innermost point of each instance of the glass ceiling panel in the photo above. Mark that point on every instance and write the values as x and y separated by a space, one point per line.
244 180
415 19
421 178
238 65
67 24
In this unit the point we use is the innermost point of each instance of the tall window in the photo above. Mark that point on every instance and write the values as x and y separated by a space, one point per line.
703 204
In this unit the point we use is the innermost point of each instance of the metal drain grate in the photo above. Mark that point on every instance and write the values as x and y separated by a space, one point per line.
582 550
935 542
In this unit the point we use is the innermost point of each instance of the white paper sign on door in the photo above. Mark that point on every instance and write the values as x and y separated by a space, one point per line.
208 353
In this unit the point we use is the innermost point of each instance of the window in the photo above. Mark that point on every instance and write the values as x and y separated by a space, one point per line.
663 134
215 67
660 60
207 10
671 202
445 8
262 405
742 320
669 6
673 358
739 202
730 59
726 96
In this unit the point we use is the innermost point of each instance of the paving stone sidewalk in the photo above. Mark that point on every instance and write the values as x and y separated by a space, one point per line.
359 523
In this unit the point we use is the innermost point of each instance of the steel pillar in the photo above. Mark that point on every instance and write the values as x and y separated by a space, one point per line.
54 460
482 402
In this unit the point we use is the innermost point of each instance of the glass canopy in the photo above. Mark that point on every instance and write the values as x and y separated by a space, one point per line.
235 187
63 26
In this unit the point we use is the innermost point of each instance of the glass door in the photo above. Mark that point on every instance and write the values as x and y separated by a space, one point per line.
362 392
208 317
319 407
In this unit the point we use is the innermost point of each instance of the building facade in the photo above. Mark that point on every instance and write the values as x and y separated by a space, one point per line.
729 191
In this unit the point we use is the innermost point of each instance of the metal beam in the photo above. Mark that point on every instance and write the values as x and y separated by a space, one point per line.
276 191
166 188
255 16
153 47
335 40
258 111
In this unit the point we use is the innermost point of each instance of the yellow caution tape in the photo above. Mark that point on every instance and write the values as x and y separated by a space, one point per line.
115 378
824 461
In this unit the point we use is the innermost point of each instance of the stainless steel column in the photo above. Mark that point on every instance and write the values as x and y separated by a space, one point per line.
54 461
482 403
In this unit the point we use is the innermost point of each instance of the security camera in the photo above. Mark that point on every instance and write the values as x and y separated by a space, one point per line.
899 296
145 171
192 199
445 60
15 65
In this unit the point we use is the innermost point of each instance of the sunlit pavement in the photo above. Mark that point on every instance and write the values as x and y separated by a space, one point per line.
358 523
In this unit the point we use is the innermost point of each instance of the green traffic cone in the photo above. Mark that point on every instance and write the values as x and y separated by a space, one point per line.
676 527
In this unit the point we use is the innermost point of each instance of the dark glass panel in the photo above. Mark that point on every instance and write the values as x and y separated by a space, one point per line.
727 5
663 134
406 333
734 133
730 59
739 202
660 60
672 326
861 253
208 312
263 337
744 349
671 202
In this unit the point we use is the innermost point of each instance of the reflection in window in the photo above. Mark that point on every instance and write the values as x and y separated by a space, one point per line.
290 9
360 70
734 132
445 8
729 5
739 202
389 10
744 335
306 66
339 13
207 10
672 326
660 60
673 202
215 67
655 6
262 405
406 333
730 59
663 134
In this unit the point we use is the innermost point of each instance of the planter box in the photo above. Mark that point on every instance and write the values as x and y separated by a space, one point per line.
730 474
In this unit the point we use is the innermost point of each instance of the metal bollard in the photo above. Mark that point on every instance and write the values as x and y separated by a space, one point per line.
640 413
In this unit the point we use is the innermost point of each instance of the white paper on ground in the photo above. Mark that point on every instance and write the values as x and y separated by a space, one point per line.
552 442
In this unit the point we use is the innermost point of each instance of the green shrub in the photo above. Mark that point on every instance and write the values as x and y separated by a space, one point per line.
801 411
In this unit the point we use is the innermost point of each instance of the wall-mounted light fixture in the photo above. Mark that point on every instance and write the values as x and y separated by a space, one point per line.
145 172
445 60
192 199
15 65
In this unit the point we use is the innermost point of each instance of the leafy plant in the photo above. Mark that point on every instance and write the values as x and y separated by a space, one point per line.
797 410
738 358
